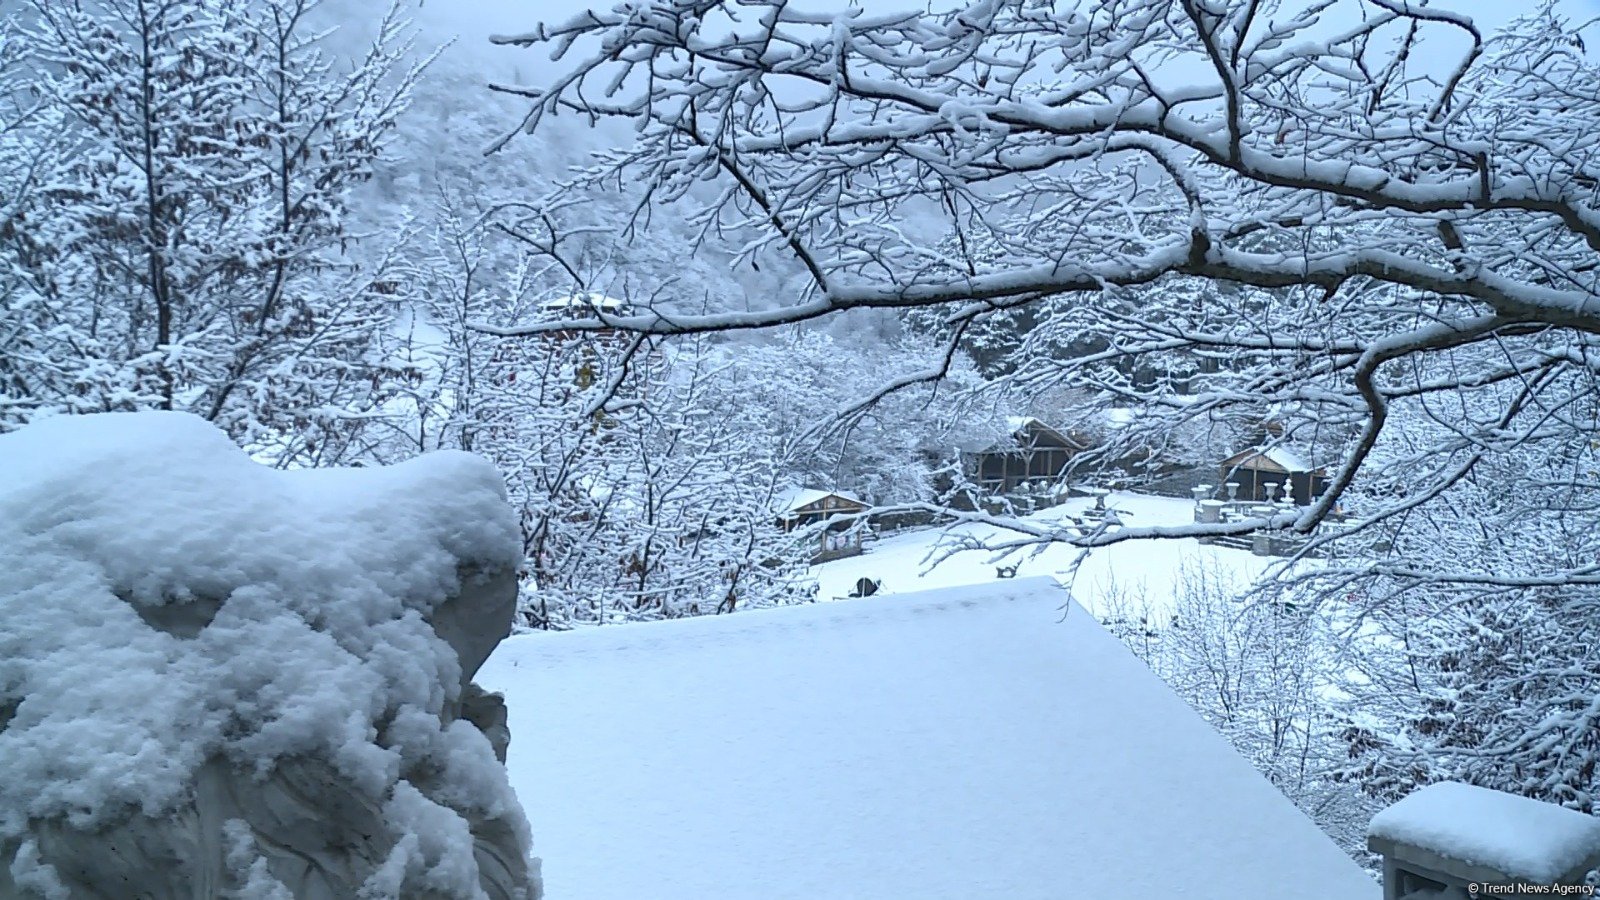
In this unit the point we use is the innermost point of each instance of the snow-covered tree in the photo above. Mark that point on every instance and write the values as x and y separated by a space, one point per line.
191 250
645 488
805 390
1492 683
1495 691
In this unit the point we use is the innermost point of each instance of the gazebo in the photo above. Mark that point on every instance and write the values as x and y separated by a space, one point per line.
1256 469
1033 454
799 507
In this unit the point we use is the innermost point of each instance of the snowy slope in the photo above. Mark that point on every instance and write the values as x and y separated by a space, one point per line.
962 743
902 561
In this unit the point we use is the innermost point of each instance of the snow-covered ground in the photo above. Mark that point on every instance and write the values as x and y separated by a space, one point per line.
961 743
1148 567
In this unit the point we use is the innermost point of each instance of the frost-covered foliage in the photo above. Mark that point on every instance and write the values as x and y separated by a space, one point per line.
168 606
184 243
656 505
805 393
1475 644
1497 692
643 479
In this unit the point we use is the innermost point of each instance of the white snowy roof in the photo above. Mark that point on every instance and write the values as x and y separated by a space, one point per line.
1282 457
1518 837
787 501
958 743
1290 460
1017 423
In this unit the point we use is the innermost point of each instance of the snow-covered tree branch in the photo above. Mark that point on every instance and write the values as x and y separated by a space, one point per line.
1287 201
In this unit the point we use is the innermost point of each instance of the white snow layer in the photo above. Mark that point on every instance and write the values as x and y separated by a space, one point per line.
791 499
1129 578
324 578
959 743
1518 837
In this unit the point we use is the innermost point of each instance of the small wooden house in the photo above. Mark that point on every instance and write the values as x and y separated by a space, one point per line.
1035 454
1257 468
834 510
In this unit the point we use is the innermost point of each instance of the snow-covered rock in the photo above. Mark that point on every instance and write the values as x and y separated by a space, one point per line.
219 679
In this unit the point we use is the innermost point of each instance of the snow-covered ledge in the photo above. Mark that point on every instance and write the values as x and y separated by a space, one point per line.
1455 840
222 680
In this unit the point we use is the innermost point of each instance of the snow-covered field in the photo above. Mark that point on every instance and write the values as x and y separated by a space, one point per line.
960 743
902 562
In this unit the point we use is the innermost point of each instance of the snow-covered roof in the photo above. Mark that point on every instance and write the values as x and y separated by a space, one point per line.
791 499
957 743
586 302
1284 458
1017 423
1288 459
1015 426
1520 838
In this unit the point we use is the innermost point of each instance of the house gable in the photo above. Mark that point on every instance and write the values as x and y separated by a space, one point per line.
800 502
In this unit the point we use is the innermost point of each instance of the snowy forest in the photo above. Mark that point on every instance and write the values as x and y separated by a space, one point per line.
665 263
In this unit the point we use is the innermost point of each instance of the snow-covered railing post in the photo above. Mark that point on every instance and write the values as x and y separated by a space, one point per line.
1457 840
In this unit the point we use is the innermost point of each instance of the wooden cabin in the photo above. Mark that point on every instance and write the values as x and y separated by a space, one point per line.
1254 469
840 537
1035 454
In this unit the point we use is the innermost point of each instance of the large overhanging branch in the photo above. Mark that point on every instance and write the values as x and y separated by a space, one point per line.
1403 233
1398 162
1513 299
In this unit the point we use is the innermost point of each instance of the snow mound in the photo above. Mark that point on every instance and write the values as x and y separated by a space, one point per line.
989 741
1523 839
169 607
